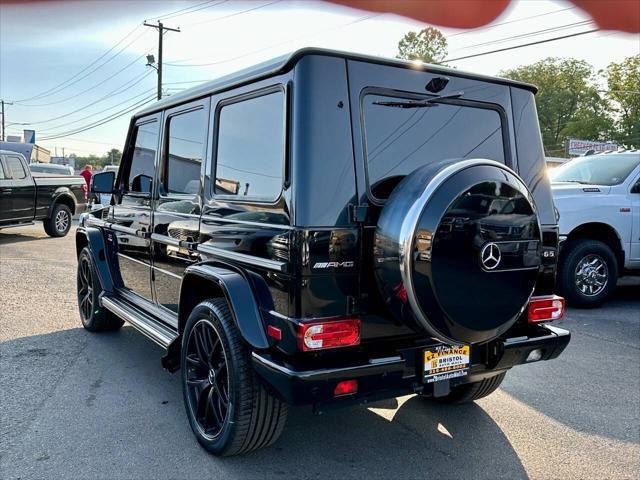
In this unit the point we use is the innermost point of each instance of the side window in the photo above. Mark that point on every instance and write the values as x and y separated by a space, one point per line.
15 168
142 167
251 148
399 140
185 145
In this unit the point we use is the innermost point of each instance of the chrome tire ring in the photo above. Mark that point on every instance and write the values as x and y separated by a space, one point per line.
62 220
591 275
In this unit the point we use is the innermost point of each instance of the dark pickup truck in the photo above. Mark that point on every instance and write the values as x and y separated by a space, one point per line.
25 198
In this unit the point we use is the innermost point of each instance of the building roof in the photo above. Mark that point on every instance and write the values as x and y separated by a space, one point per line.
285 62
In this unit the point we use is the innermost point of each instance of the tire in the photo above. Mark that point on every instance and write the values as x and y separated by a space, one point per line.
470 392
216 366
583 253
59 223
94 317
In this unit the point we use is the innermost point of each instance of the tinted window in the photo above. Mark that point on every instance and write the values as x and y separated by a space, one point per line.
142 163
399 140
15 168
250 152
186 138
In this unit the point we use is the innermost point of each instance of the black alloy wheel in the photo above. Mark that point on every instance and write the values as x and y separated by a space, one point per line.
207 379
85 287
94 317
229 410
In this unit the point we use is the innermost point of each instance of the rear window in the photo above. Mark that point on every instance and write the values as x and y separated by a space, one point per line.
399 140
15 168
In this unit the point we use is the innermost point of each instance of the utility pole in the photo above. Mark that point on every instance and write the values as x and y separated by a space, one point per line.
2 102
161 28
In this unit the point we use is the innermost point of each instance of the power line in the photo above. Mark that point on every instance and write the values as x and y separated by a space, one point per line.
146 92
74 77
268 47
530 34
179 13
102 121
521 46
92 87
487 27
117 91
234 14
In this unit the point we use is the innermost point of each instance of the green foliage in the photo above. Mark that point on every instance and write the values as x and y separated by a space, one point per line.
428 45
623 81
99 162
568 102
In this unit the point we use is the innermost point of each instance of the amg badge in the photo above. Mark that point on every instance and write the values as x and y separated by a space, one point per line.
348 264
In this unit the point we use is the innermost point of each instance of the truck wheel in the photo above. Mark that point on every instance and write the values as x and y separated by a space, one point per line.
469 392
588 273
230 412
59 223
94 317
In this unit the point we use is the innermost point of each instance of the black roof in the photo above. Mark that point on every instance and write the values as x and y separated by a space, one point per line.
286 62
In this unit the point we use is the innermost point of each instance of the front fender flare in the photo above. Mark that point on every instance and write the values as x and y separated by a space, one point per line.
93 238
241 298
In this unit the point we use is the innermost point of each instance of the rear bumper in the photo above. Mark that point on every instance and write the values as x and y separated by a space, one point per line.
399 375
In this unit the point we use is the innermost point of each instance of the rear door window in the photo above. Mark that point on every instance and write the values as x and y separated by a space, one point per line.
15 168
186 138
399 140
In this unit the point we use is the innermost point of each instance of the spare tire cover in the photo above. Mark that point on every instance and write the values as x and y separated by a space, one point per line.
457 250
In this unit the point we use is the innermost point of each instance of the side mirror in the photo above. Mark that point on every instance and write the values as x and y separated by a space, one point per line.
103 182
141 184
636 187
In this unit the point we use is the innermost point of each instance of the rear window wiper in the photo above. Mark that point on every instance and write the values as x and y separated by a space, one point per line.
429 102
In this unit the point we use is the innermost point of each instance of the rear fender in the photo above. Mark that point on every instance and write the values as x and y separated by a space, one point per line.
238 289
92 238
65 196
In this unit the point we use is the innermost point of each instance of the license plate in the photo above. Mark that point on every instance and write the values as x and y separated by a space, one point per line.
446 361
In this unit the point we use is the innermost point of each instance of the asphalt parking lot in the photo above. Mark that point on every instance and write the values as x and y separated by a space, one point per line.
79 405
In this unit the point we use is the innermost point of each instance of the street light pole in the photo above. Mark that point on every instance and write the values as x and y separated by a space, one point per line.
161 28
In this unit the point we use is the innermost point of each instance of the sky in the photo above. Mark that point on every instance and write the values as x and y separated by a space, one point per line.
67 65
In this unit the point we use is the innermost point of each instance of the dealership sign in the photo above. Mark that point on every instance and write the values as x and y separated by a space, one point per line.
580 147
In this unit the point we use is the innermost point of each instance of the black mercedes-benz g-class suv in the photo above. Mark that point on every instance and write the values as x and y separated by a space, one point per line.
328 228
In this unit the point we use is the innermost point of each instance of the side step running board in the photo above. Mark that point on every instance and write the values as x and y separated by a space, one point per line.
140 320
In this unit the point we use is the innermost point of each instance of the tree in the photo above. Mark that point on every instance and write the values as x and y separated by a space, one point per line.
114 156
623 81
568 102
428 45
99 162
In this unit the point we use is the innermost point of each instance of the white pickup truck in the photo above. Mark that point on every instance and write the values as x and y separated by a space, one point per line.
598 199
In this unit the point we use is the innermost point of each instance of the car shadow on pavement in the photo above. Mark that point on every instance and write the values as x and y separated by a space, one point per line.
109 394
596 375
7 238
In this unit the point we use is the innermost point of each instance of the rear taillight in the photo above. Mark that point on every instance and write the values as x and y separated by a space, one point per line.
546 309
329 334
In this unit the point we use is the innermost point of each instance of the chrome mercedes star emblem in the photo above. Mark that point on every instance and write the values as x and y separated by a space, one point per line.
490 256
